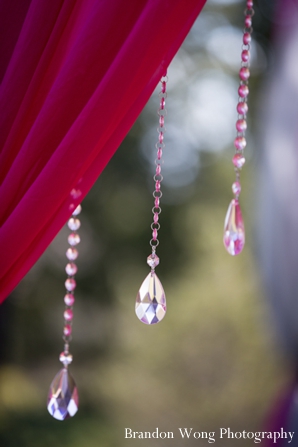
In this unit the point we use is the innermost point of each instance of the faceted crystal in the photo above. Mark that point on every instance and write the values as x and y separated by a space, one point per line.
72 253
68 315
74 224
240 143
77 210
63 399
71 269
238 160
65 358
74 239
236 188
151 300
153 260
67 330
234 235
69 299
70 284
241 125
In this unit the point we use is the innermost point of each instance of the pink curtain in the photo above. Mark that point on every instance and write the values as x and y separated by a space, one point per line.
75 76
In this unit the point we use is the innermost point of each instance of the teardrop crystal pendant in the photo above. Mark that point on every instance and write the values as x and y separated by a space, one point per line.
63 398
234 234
151 300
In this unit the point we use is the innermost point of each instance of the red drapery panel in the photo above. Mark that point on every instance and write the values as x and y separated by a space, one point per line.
75 75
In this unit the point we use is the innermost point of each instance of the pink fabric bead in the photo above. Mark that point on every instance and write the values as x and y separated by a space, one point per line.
154 234
70 284
159 153
67 330
157 185
243 91
156 202
248 21
244 73
69 299
160 137
68 315
242 108
155 218
246 38
240 143
241 125
245 55
238 160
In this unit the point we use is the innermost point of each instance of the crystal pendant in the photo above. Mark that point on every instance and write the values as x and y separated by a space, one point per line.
151 300
63 399
234 235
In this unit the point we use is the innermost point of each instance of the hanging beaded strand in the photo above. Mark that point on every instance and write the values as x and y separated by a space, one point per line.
63 399
151 300
234 233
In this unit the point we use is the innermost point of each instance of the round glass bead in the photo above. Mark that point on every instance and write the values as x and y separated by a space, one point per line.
71 269
67 330
241 125
153 260
245 55
69 299
243 91
244 73
65 358
248 21
70 284
246 38
242 108
236 188
68 315
238 160
77 210
72 253
73 239
240 143
74 224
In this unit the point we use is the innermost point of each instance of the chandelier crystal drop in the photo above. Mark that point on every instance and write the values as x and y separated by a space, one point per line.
63 398
234 233
150 304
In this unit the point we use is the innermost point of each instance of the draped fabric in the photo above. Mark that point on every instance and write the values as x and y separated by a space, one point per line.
75 75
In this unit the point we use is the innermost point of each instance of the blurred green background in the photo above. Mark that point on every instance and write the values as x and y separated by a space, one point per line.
213 361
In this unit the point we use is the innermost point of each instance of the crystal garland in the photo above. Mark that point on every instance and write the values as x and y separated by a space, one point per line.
234 233
63 399
151 300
